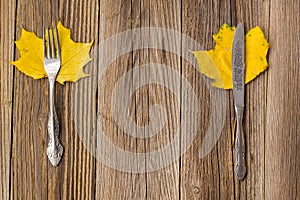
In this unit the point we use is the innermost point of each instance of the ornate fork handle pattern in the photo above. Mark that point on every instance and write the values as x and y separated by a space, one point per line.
54 149
240 167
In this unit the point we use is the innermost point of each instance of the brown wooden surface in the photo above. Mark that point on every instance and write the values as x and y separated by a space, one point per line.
271 118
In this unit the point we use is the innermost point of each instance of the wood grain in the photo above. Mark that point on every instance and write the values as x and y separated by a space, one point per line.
271 117
282 170
116 17
210 177
7 35
254 13
164 183
78 171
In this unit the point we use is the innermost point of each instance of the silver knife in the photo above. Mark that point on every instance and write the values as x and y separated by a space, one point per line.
238 80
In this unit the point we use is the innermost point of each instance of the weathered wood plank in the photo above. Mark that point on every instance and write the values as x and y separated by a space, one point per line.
7 35
140 18
29 161
112 182
164 183
210 177
254 13
77 172
282 157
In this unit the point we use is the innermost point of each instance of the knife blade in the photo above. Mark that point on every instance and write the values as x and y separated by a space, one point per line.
238 80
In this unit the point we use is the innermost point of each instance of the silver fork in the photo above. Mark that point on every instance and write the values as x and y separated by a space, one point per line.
52 66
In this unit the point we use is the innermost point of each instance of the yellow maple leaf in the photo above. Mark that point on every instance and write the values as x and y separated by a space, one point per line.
216 63
73 56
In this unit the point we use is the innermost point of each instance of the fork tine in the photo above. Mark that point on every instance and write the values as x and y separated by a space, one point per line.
48 46
44 43
57 44
53 54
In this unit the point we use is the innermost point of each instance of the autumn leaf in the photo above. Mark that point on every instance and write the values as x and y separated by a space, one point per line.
74 56
216 63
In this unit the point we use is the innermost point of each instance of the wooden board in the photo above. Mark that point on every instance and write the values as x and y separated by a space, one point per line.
7 35
91 169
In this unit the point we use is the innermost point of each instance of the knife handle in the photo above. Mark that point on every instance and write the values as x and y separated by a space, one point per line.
240 167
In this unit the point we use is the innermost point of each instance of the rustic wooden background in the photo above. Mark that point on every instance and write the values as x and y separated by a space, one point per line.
271 120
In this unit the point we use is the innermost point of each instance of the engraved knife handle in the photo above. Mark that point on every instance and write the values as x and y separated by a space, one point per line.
54 149
240 167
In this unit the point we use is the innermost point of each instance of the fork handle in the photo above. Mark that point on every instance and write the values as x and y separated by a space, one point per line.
54 149
240 148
